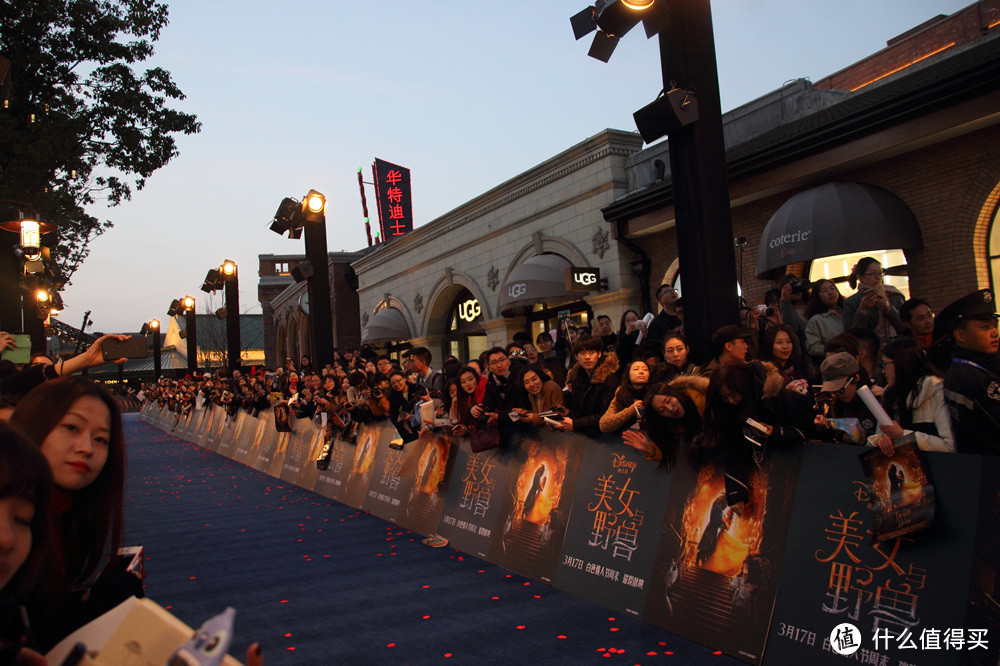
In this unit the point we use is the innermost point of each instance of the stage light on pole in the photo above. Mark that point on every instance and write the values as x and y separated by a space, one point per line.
42 296
228 267
188 303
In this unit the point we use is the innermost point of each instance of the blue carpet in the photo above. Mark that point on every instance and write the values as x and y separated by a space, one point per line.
318 582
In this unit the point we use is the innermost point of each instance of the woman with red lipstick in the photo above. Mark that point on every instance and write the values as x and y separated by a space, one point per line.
77 426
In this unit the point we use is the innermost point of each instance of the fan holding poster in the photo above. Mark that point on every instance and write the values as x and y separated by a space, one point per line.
901 490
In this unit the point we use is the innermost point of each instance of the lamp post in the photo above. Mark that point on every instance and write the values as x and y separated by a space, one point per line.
20 311
230 274
697 150
186 305
310 214
153 327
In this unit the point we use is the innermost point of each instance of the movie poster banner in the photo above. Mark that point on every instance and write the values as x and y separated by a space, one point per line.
313 444
906 598
427 470
266 446
330 481
472 506
232 434
359 465
249 439
387 491
536 504
614 529
717 566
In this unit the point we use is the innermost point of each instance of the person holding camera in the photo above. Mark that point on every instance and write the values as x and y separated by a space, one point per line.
875 305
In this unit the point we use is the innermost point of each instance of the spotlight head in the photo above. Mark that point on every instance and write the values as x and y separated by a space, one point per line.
667 113
228 267
213 281
144 330
188 303
286 211
614 18
313 207
154 324
315 201
42 296
303 271
221 313
175 308
278 227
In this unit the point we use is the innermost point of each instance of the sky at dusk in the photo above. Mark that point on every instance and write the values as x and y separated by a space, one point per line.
295 96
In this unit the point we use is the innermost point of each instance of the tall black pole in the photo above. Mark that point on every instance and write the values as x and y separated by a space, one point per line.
156 353
33 324
10 293
698 168
192 339
233 320
320 317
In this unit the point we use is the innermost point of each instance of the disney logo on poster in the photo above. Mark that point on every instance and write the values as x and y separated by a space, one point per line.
469 310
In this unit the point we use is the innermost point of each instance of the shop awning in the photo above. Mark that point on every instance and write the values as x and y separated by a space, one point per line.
836 218
540 278
385 325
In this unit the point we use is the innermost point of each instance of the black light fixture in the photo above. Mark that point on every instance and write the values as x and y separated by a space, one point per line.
175 308
221 313
213 281
303 271
668 113
187 303
309 217
612 19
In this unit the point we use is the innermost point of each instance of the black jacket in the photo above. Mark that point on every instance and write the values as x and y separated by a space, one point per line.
591 393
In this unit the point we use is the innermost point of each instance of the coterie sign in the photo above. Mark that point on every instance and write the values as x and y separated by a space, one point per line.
583 279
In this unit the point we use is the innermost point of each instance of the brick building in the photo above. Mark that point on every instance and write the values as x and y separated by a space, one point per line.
918 119
285 305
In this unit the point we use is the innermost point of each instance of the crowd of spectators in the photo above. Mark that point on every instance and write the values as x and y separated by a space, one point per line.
799 367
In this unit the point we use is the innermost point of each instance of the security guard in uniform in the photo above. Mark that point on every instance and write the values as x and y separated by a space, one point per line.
972 384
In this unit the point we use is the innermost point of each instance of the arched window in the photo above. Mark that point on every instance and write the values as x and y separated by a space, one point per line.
993 250
838 268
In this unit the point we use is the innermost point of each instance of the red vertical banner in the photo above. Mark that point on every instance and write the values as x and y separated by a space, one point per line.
392 192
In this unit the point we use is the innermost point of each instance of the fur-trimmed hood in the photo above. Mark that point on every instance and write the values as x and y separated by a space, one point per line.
607 367
690 383
773 381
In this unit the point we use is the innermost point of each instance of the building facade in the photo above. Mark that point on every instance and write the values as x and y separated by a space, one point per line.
497 265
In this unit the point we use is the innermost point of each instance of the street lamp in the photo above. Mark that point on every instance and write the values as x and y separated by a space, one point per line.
153 327
697 150
186 305
310 214
228 275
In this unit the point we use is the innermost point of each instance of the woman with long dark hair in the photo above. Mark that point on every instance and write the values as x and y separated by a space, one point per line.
823 317
460 413
748 401
77 425
914 398
627 405
781 347
671 418
25 488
